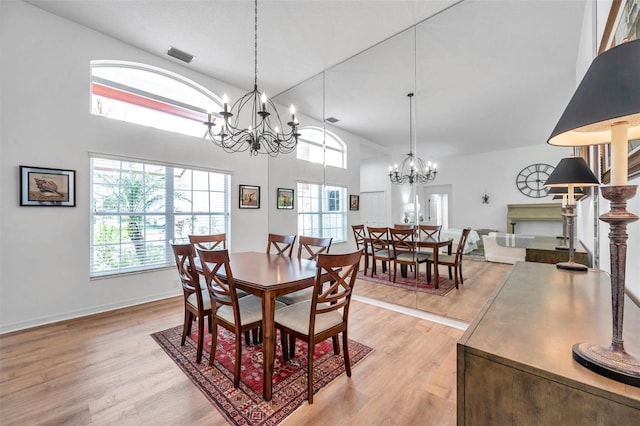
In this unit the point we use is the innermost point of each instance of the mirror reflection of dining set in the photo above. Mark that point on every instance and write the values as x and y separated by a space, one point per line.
253 294
407 245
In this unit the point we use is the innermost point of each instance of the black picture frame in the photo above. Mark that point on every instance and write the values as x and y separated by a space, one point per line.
284 199
249 197
46 187
354 202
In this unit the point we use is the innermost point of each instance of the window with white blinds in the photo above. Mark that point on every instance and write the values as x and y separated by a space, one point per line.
138 208
322 211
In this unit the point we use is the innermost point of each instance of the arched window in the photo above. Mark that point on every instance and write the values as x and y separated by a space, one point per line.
150 96
310 147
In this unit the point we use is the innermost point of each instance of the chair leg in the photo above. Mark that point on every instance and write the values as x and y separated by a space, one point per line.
456 276
395 271
366 263
310 370
285 345
186 328
450 277
292 346
214 343
345 349
373 267
254 336
236 370
247 337
201 321
461 279
336 345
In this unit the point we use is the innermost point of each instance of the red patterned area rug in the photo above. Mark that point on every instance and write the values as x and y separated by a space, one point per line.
445 285
245 405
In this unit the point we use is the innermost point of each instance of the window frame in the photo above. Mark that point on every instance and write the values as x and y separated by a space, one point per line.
167 212
138 97
342 150
323 200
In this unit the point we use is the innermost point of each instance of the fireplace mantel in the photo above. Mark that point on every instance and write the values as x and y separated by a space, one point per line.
538 212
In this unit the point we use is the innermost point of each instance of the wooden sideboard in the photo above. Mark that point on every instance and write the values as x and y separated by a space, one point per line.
515 364
543 250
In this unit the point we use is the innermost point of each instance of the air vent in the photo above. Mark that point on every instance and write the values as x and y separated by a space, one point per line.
179 54
332 120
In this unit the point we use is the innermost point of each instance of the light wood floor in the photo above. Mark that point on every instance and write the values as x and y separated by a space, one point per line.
106 369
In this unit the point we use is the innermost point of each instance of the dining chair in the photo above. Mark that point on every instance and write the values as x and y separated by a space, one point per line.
236 314
381 248
209 242
453 261
426 232
312 246
405 250
197 304
429 231
281 244
360 235
326 314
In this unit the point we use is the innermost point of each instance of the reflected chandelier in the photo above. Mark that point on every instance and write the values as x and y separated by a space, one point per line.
412 169
260 137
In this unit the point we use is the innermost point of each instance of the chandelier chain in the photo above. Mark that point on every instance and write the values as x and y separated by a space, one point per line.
255 45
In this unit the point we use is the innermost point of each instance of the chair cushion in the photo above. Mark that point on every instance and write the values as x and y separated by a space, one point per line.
446 258
383 253
250 310
408 257
193 300
296 317
296 296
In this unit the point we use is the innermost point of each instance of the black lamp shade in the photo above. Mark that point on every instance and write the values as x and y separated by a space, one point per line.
609 93
572 171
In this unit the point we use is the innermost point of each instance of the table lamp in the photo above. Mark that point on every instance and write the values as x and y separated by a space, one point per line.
606 109
562 193
571 172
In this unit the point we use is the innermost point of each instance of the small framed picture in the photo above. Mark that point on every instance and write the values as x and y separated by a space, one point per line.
47 187
354 202
249 197
285 198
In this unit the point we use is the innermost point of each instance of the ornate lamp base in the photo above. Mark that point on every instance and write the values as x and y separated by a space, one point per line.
571 266
613 361
618 365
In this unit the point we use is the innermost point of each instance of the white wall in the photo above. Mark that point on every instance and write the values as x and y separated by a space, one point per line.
45 87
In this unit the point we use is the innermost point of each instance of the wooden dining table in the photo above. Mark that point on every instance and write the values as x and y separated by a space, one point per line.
433 243
268 276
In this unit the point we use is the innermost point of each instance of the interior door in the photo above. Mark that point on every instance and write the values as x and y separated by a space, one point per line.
373 208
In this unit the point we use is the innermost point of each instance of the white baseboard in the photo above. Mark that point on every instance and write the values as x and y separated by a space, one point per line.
63 316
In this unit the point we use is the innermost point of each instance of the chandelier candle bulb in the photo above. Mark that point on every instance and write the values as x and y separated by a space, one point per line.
263 100
619 154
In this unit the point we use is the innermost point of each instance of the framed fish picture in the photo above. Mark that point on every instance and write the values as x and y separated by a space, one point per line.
47 187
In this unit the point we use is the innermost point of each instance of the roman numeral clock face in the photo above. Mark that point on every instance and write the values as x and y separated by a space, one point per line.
530 181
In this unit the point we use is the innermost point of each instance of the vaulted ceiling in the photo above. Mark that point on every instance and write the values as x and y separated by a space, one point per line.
488 74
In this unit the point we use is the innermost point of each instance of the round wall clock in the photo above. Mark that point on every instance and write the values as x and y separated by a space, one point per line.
530 181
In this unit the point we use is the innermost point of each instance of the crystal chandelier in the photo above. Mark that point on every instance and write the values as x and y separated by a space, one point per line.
262 136
412 169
